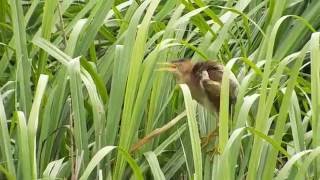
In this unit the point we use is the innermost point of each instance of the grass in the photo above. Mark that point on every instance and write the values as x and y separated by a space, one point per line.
79 89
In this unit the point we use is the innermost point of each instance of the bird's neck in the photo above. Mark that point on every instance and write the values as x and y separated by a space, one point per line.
194 87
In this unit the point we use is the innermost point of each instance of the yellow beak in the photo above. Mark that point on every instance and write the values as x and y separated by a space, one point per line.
170 67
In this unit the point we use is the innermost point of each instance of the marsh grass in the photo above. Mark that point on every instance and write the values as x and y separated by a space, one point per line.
79 88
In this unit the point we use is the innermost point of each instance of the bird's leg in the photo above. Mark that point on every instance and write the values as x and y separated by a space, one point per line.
214 151
205 140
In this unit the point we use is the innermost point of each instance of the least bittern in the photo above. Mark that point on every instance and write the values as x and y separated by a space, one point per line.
204 81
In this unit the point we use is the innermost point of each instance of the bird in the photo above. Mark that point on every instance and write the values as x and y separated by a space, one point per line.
204 80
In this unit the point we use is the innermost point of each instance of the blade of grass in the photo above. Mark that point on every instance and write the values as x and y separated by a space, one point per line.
3 6
23 95
154 165
4 62
92 26
213 49
78 110
262 114
162 147
102 153
224 111
96 160
52 117
193 130
244 110
313 155
279 130
173 165
296 124
52 50
74 35
160 90
274 143
5 140
119 80
98 113
6 173
116 97
77 18
128 125
25 162
284 172
102 90
46 30
229 156
34 121
298 32
315 97
53 168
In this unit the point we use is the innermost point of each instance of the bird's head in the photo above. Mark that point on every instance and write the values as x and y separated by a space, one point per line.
181 68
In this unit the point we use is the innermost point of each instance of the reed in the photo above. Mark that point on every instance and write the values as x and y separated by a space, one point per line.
81 97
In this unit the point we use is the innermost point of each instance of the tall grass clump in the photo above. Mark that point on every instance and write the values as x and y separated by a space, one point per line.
81 97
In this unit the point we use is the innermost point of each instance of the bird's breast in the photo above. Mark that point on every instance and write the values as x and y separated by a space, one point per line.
201 97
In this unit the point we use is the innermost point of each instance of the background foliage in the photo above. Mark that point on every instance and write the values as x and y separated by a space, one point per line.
79 88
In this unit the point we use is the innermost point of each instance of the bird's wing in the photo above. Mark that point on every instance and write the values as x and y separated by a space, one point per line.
208 84
212 87
211 80
212 91
215 72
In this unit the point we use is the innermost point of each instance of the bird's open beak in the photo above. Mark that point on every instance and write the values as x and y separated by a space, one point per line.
166 66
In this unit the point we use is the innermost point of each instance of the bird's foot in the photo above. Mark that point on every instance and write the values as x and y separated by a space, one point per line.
214 151
206 139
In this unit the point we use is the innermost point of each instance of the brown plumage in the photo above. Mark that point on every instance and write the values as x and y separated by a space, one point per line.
204 81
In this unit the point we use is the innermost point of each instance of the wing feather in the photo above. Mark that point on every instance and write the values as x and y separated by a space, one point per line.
212 86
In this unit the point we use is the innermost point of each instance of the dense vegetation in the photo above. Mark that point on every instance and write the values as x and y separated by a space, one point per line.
79 88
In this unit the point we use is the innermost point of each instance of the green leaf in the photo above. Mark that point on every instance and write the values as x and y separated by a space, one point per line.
5 140
154 165
23 95
193 130
102 153
34 121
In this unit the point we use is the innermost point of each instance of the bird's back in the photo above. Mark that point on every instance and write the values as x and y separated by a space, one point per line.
214 69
